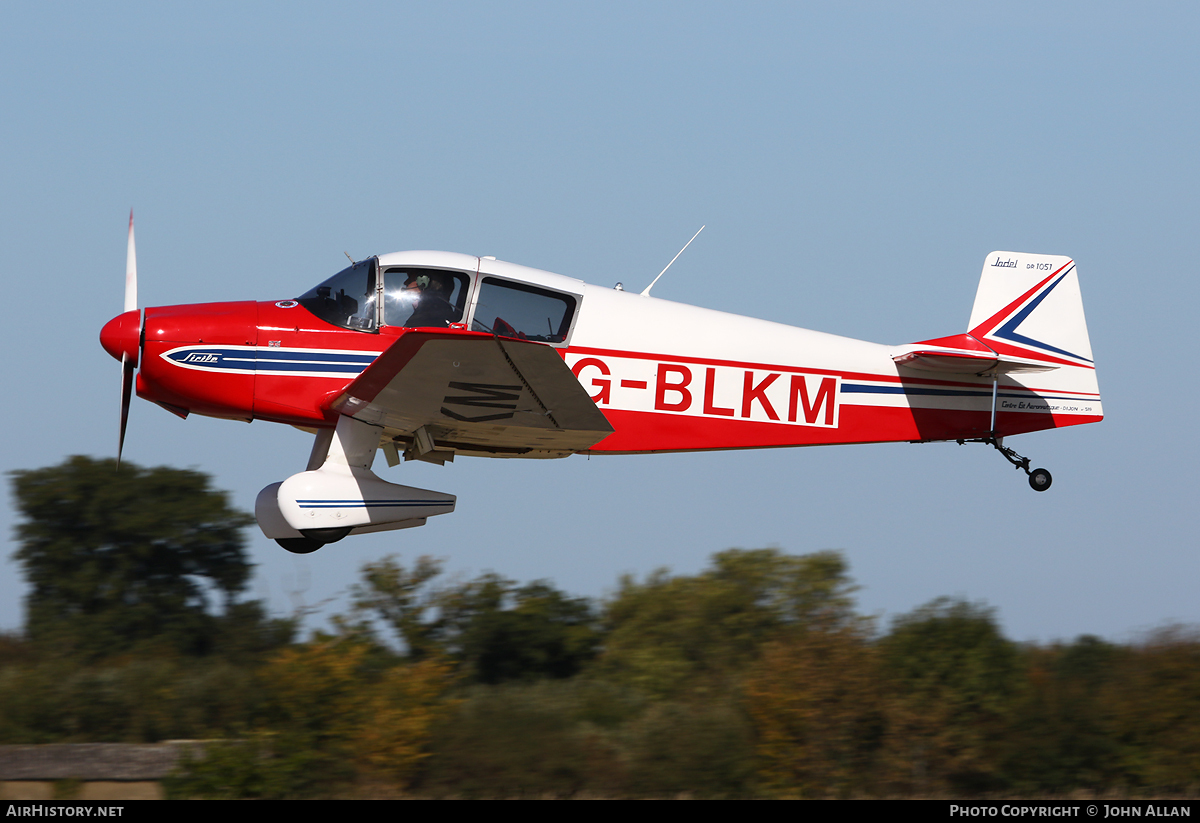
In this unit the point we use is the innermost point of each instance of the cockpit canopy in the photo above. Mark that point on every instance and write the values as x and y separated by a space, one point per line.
358 298
364 298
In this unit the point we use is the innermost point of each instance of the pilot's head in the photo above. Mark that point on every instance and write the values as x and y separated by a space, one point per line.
417 282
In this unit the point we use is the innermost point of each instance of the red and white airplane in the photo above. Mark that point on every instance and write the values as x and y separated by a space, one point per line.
430 355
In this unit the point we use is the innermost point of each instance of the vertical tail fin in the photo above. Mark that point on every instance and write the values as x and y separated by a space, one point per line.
1029 306
1028 339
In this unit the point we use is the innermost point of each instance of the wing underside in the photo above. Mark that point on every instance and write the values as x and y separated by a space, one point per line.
475 393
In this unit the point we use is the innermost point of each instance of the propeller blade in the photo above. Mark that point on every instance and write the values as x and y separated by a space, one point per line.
127 369
127 365
131 270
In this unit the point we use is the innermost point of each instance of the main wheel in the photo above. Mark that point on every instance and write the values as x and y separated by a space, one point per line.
324 536
299 545
1040 480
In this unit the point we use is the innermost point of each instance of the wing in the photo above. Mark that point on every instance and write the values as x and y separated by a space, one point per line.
475 393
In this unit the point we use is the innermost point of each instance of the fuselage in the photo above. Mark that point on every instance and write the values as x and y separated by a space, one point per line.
667 376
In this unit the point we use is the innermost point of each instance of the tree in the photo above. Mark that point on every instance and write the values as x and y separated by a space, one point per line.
1060 734
117 560
818 713
502 631
495 629
953 679
672 633
1152 704
405 600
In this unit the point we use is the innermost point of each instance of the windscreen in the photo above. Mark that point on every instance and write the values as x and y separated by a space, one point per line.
347 299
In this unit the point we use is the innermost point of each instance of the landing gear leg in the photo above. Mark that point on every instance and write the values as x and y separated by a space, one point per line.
1039 479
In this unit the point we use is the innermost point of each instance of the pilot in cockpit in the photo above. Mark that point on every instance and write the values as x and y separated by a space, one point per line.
430 291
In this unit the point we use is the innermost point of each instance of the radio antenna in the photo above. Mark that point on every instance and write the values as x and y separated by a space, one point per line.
646 293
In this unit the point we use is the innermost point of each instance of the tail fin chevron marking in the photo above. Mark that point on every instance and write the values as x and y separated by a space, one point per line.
1054 329
1009 329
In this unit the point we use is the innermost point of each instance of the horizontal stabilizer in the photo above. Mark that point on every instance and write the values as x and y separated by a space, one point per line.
963 354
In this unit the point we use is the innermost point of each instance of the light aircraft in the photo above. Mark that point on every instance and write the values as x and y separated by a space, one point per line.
431 355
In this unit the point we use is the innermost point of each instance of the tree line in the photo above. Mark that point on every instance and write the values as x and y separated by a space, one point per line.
755 677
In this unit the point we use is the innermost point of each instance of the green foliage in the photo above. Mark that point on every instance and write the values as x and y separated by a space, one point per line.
501 631
522 740
671 634
754 676
582 737
703 748
334 699
1152 706
818 707
952 678
403 599
122 560
951 649
135 700
1059 732
244 634
495 629
259 766
15 649
1095 715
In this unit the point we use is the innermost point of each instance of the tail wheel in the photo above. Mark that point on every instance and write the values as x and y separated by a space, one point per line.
1040 480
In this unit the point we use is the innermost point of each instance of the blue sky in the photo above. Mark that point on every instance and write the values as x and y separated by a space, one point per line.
853 163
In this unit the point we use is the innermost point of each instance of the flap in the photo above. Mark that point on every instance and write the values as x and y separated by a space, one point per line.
475 392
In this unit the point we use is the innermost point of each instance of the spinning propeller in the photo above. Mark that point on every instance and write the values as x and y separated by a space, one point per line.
128 364
122 337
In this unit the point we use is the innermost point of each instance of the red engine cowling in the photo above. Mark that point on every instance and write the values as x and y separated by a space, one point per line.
200 358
